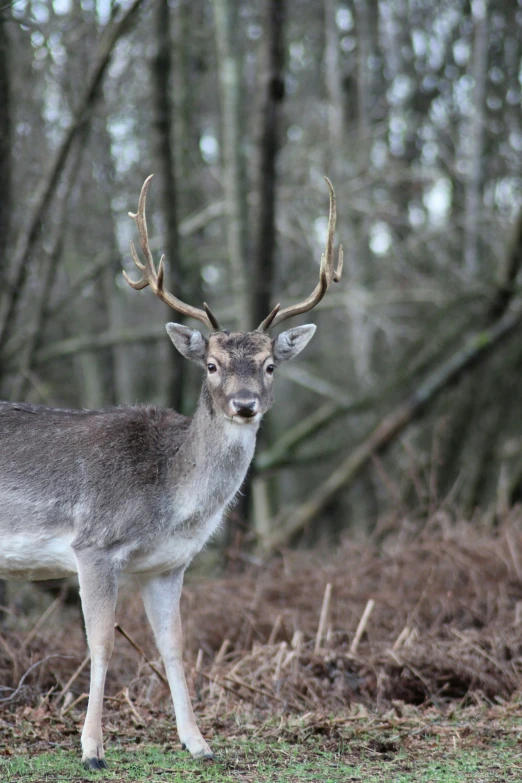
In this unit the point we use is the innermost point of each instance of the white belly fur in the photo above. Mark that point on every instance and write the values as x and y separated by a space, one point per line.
34 558
31 558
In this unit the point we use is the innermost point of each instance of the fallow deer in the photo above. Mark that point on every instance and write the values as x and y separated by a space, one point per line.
139 490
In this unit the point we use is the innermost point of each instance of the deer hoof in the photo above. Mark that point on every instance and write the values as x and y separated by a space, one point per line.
95 763
198 749
203 754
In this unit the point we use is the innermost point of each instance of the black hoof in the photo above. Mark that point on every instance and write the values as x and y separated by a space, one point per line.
183 746
95 763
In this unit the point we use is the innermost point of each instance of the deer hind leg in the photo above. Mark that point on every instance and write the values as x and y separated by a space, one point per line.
98 592
161 596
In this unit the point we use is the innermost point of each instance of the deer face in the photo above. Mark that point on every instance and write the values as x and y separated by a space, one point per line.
240 366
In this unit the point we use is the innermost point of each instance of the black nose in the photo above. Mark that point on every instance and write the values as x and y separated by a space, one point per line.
245 407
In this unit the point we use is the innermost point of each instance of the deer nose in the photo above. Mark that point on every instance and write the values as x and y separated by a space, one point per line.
245 407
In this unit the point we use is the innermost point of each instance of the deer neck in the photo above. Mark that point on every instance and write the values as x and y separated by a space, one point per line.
216 437
213 460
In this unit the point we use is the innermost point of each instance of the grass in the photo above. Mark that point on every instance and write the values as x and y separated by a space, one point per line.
351 756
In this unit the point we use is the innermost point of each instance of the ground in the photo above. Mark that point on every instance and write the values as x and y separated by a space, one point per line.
475 744
390 659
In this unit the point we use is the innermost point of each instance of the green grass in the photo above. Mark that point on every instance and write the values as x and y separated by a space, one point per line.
312 760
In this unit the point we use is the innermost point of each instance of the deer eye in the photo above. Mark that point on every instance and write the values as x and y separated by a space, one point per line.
270 369
211 367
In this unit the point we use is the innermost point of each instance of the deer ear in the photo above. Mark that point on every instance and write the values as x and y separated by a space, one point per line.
289 344
190 343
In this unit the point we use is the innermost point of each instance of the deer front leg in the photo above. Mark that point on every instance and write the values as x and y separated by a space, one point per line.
98 592
161 596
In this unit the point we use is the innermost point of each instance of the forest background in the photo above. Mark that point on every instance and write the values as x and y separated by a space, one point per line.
409 397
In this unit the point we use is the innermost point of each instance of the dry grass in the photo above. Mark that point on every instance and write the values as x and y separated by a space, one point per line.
445 626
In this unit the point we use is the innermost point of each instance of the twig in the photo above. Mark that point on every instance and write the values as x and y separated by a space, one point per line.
73 678
230 690
275 630
323 617
399 641
199 661
44 699
221 652
513 551
141 652
28 672
45 616
74 703
253 689
362 625
139 719
482 652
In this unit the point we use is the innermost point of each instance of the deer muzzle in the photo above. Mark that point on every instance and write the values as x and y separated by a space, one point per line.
245 406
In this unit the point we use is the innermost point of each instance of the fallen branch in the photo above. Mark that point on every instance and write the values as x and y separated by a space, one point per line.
73 346
28 672
72 679
142 653
44 617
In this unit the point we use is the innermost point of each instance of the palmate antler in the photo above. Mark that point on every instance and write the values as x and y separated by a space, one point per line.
155 278
326 274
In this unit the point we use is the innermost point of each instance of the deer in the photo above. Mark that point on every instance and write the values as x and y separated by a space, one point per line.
139 490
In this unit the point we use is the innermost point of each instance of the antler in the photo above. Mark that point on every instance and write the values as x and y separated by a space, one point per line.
155 278
326 274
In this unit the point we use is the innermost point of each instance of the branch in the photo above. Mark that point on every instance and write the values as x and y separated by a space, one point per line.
113 31
96 342
303 377
195 222
475 350
278 455
509 273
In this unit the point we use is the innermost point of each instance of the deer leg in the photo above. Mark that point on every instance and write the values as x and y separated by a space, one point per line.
98 592
161 596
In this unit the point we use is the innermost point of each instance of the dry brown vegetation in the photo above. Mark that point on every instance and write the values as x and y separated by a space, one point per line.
438 609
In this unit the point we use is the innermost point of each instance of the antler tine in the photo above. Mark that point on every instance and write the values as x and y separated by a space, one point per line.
327 273
154 277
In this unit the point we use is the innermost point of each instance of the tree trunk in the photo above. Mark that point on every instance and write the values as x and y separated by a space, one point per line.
334 89
272 94
233 165
5 146
475 140
168 196
5 151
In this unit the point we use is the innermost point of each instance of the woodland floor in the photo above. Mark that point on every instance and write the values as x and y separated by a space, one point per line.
394 658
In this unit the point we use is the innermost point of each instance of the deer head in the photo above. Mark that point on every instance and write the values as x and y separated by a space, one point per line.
239 366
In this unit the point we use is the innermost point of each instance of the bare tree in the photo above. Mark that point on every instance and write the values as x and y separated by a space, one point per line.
5 143
474 139
272 93
115 28
164 127
233 165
